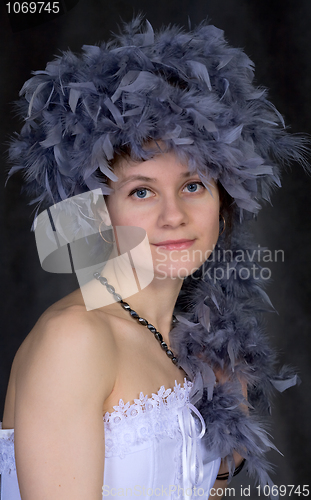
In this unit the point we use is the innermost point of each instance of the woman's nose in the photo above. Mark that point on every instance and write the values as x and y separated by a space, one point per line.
173 212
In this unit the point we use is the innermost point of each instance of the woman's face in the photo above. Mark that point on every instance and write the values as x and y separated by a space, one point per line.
179 215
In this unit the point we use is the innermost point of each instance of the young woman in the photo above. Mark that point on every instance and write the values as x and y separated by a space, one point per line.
172 131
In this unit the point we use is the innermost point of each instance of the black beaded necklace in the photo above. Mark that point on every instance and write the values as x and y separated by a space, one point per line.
136 316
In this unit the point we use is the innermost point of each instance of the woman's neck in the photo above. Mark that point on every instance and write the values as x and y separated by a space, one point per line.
151 296
156 303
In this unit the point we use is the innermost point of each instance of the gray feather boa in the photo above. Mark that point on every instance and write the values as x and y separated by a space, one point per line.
220 328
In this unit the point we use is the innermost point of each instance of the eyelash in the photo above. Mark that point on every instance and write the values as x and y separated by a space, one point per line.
144 188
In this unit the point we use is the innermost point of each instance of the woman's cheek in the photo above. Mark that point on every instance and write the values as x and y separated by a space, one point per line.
211 237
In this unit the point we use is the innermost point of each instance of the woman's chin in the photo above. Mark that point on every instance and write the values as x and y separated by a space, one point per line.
175 272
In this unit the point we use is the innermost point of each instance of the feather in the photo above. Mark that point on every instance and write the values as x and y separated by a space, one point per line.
108 148
74 95
174 107
92 183
172 134
230 350
203 312
206 182
256 94
278 114
200 72
54 137
144 80
265 297
215 300
196 392
135 81
62 161
227 85
48 188
115 112
224 61
34 95
83 86
185 321
201 121
91 50
133 112
182 140
63 195
148 35
107 172
282 385
209 380
232 135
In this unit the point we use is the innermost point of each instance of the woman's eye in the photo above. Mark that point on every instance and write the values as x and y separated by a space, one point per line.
140 193
193 186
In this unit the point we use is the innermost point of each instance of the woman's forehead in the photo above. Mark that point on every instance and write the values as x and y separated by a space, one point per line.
162 162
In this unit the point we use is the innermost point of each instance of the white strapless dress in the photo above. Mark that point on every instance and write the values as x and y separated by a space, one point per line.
153 449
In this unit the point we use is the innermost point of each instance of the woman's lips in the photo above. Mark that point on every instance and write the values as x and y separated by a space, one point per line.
175 244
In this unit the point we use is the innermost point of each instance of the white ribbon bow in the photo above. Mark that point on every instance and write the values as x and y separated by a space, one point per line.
192 464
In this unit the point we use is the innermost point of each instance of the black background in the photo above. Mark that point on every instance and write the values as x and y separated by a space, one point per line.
277 36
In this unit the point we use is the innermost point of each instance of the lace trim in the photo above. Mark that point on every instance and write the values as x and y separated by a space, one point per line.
148 418
7 454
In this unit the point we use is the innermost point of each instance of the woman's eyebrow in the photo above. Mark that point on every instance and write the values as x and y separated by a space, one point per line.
143 178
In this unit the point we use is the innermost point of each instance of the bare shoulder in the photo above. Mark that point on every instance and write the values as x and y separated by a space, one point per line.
64 371
66 340
67 334
68 320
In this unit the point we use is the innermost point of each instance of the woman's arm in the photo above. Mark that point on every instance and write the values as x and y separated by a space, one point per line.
61 384
219 485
